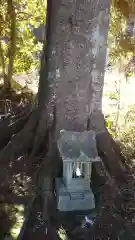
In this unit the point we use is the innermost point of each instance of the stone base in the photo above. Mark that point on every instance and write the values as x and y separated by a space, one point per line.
73 200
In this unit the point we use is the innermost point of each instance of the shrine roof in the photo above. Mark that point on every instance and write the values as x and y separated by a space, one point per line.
78 146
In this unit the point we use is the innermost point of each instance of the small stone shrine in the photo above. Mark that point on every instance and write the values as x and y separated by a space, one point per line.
78 151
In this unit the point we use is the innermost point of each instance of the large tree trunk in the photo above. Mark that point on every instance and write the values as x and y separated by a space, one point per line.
77 54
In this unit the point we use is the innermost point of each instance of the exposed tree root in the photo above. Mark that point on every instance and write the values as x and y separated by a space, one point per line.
22 110
44 131
107 148
7 130
44 190
21 142
112 159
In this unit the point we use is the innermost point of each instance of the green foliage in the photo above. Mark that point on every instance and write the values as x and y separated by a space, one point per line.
127 141
12 215
121 44
32 14
126 134
110 124
28 13
113 95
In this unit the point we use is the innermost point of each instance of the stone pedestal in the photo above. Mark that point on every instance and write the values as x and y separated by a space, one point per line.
74 200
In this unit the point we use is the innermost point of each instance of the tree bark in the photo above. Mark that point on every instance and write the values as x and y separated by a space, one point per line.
20 143
12 47
7 129
3 64
77 54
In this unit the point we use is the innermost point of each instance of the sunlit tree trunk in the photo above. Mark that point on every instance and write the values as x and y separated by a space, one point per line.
12 46
2 61
77 55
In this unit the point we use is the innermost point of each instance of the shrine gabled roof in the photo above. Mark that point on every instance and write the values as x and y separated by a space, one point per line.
77 146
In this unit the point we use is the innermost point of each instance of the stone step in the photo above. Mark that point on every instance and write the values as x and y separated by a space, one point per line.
76 195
